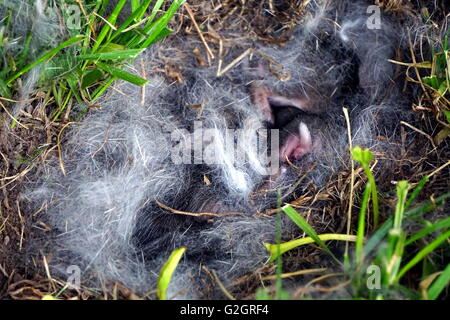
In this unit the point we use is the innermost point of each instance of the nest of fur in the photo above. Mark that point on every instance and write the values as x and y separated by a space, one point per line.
228 27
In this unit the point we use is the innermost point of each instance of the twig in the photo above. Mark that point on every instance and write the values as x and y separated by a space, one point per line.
219 67
47 271
413 57
352 177
59 147
12 117
106 21
234 62
293 274
213 275
439 169
419 131
191 15
143 87
199 214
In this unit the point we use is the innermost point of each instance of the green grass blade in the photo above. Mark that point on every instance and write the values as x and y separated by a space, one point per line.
382 231
164 33
122 74
359 250
99 91
136 15
306 227
395 257
155 10
72 81
4 90
364 157
442 224
46 56
161 23
423 253
167 271
135 5
91 77
439 284
276 250
113 55
26 49
376 212
101 6
143 33
402 192
106 28
279 280
416 191
63 106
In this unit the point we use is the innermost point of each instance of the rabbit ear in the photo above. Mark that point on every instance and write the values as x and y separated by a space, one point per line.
260 97
281 101
265 101
297 145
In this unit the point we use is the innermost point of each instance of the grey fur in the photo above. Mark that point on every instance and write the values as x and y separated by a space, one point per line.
118 164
